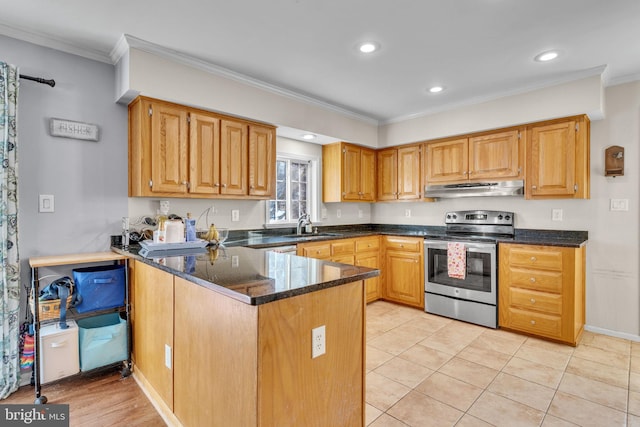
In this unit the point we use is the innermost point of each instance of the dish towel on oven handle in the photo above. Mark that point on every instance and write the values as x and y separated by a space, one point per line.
456 260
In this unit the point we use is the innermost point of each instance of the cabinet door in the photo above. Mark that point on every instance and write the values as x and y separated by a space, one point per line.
262 160
367 175
351 174
552 160
387 174
204 154
169 139
404 278
409 173
371 260
447 161
495 156
152 323
234 158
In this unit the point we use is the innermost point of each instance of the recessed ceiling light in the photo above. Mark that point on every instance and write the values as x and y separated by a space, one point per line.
368 47
308 136
436 89
546 56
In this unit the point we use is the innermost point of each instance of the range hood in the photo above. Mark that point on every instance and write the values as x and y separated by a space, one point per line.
475 189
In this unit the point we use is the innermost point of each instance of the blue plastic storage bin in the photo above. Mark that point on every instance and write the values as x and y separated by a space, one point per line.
103 340
99 287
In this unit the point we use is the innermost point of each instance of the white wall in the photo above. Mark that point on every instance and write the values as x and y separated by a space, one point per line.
88 179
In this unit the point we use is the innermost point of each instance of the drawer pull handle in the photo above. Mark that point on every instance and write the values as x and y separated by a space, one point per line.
533 322
532 280
533 259
533 301
401 245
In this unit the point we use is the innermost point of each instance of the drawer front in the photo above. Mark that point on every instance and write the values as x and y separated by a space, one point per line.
404 244
322 251
538 280
344 259
548 259
538 301
342 247
535 323
367 244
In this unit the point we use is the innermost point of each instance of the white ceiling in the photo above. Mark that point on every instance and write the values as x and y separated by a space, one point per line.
477 49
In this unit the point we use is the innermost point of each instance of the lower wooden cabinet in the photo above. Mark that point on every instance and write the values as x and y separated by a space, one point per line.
362 251
403 271
233 364
542 290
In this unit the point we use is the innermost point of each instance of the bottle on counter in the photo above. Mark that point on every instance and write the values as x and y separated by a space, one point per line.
160 235
190 227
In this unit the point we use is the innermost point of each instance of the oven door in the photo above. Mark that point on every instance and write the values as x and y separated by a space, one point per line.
480 282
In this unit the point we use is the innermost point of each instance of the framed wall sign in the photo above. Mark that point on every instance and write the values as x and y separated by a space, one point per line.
76 130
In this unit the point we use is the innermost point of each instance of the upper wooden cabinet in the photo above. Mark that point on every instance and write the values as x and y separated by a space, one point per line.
495 155
348 173
558 159
399 173
178 151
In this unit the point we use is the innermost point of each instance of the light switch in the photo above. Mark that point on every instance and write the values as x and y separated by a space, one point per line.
235 215
46 203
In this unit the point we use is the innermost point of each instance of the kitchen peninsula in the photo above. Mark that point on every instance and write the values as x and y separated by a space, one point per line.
224 337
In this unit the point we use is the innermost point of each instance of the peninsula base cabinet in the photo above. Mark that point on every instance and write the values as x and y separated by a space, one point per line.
235 364
542 290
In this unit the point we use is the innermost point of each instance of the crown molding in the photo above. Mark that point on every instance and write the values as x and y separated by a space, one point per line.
566 78
136 43
53 42
622 79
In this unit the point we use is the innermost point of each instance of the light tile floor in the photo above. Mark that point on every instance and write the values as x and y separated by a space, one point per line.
426 370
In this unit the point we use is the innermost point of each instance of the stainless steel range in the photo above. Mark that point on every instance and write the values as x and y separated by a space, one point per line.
461 269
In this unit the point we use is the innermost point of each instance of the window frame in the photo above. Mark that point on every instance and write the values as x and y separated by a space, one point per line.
313 190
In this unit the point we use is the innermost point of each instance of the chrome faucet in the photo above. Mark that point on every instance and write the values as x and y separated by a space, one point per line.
304 220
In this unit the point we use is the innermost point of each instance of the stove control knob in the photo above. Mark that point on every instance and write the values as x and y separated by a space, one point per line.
455 216
500 217
448 216
508 217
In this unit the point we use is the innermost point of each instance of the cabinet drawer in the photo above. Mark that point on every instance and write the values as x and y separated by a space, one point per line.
342 247
344 259
316 251
548 259
538 280
535 323
368 244
404 243
538 301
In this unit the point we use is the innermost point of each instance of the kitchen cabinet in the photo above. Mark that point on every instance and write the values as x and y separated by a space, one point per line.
252 364
558 159
362 251
542 290
348 173
495 155
152 328
403 270
368 255
400 173
179 151
262 160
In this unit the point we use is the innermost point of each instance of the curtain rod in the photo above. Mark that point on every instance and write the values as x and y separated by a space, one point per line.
50 82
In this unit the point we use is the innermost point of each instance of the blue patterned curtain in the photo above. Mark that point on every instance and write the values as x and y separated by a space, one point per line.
9 260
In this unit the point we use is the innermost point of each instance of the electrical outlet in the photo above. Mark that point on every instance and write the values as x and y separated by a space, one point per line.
324 213
556 215
619 205
46 203
338 213
235 261
360 213
318 341
235 215
167 356
407 213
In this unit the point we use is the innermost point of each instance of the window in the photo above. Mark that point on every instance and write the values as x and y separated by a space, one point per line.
295 189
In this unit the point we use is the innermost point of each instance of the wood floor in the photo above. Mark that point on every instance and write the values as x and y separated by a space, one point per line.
102 399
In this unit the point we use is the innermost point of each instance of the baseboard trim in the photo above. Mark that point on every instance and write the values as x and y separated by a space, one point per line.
165 412
611 333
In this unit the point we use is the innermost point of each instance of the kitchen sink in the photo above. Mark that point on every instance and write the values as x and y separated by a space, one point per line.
310 235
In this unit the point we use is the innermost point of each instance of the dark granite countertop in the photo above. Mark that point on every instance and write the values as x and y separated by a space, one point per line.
252 276
276 238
